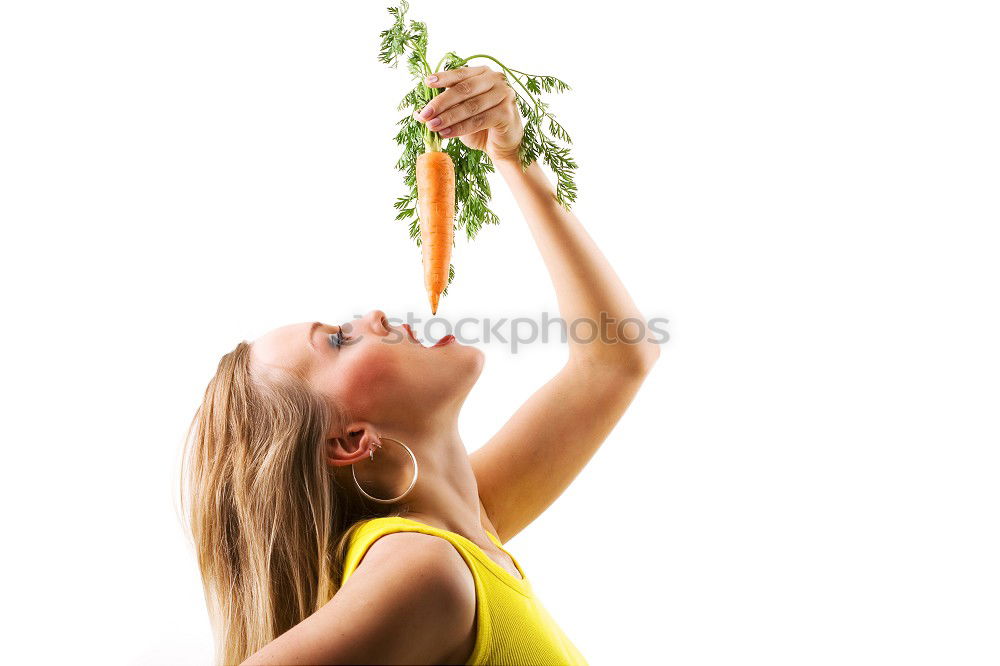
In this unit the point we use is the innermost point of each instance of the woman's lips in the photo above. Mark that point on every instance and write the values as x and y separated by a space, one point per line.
440 343
443 341
410 332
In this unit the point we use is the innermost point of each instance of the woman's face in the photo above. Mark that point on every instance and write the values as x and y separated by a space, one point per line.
377 372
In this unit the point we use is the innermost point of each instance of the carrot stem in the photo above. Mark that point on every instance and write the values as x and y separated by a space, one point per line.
506 69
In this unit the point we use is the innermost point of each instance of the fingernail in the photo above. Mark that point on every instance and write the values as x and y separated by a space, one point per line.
426 112
445 132
434 123
432 79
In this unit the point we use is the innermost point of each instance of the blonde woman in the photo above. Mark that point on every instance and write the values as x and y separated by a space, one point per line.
337 516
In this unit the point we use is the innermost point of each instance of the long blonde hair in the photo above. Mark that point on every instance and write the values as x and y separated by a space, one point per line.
270 522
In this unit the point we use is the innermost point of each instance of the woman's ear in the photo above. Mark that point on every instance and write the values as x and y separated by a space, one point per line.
352 444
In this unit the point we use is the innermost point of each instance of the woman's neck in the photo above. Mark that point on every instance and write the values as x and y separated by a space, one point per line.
446 494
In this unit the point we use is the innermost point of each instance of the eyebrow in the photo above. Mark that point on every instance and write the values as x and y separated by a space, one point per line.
312 332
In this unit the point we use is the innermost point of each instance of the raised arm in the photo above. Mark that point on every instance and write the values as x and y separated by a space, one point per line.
545 444
533 458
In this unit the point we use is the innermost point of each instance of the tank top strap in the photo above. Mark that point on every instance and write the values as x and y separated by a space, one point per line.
374 528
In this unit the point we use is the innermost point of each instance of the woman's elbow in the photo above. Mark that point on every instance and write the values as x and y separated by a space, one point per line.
634 360
644 357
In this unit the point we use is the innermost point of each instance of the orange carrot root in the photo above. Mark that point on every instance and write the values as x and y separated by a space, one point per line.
436 209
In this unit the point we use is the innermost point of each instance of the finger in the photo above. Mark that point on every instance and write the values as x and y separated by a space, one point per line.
467 109
491 116
449 77
455 95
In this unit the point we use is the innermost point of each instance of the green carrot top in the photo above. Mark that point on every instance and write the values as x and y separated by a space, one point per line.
472 190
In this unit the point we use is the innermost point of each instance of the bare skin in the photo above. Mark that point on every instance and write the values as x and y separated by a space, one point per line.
412 600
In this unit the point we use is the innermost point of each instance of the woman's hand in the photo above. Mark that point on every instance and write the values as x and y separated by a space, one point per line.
478 107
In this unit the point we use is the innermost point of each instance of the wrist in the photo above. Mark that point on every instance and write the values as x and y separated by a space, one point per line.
507 161
507 157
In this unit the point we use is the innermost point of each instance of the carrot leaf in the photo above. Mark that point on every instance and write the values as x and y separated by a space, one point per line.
544 137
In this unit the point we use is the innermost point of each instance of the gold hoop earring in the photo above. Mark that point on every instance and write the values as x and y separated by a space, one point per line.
371 456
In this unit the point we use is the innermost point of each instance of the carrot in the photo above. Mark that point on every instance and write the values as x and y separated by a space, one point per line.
447 189
436 202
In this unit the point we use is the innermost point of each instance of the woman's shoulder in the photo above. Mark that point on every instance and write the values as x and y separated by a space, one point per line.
389 546
411 576
420 550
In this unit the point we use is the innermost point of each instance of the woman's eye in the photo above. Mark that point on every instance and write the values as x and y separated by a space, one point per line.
336 339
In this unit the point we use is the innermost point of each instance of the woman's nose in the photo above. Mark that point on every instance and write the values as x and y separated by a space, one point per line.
378 322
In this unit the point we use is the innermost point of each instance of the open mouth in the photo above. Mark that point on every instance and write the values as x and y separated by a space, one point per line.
440 343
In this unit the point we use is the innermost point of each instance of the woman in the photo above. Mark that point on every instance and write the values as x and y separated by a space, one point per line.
306 558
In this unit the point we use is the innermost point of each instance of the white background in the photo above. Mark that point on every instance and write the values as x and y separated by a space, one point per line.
807 191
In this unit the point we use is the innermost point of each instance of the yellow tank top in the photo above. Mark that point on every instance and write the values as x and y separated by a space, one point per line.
512 626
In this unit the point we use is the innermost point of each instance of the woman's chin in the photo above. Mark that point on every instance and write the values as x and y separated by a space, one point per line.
476 359
465 364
